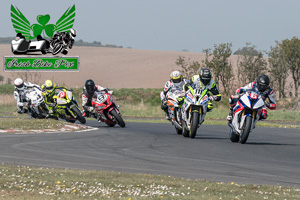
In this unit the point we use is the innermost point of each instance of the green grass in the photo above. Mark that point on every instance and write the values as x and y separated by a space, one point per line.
20 123
23 182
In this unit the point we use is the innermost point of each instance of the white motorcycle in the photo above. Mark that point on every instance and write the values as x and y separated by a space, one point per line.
174 109
247 113
35 103
194 110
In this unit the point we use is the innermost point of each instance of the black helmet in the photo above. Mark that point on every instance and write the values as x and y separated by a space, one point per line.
205 76
90 86
262 82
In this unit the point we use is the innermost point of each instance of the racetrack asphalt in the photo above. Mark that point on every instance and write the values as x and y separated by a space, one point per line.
270 156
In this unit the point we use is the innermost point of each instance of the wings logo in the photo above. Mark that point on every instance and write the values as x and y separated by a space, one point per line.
22 25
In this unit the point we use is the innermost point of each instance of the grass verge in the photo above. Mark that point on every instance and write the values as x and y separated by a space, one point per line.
30 123
23 182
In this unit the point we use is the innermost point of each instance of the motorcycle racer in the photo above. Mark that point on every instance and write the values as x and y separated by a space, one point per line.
203 79
21 88
175 83
67 37
48 91
88 93
262 85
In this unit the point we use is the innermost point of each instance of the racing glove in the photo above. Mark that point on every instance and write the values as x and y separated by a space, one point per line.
90 109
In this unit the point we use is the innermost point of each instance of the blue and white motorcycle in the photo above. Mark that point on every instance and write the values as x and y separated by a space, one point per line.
246 114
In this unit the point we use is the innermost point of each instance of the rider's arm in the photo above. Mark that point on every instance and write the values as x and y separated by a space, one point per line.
242 89
18 99
272 104
214 90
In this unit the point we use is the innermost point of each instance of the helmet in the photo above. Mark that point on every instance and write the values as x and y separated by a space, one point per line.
176 77
73 32
49 86
90 86
262 82
19 84
205 76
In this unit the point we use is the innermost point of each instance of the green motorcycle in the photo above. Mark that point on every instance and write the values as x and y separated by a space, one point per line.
193 110
67 107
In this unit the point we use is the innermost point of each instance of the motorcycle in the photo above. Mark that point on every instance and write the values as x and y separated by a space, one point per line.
35 104
174 110
247 112
60 43
193 110
67 107
106 110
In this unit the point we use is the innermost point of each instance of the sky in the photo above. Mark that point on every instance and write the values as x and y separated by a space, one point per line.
169 25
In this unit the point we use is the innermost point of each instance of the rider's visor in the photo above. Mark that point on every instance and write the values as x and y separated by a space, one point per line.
20 86
178 80
50 88
262 87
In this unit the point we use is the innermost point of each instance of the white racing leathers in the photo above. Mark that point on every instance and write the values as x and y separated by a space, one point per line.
20 95
170 86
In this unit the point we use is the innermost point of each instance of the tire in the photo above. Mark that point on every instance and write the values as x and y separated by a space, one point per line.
118 118
57 48
110 125
194 126
246 131
178 131
79 116
185 132
234 137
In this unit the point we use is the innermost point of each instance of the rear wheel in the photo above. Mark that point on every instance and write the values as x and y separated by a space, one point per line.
194 125
79 115
233 136
178 131
57 48
185 132
118 118
246 131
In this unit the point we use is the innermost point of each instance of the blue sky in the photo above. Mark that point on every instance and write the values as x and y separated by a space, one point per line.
169 25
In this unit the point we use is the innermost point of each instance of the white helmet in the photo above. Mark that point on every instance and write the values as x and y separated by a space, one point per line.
73 32
19 84
176 77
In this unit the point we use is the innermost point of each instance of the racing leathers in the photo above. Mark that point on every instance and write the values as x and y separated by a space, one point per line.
87 99
267 94
50 101
211 87
20 96
169 87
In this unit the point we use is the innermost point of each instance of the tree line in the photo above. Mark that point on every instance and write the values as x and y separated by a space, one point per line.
282 64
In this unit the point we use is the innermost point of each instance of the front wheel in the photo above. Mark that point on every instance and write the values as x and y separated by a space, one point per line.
246 132
194 126
118 118
79 115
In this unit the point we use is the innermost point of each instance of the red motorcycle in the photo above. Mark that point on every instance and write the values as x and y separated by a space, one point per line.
106 110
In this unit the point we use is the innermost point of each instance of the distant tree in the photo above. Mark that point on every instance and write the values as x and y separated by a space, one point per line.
291 54
247 50
1 78
9 81
218 62
188 68
250 65
278 69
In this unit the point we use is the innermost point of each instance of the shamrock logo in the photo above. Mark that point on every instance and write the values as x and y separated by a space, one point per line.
38 28
22 25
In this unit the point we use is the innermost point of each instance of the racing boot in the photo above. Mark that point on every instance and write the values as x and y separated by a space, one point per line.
210 107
